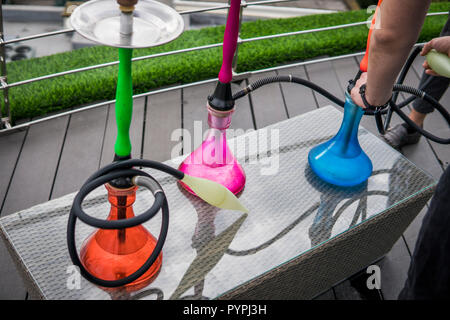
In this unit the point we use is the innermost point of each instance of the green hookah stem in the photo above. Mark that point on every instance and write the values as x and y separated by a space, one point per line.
124 112
124 103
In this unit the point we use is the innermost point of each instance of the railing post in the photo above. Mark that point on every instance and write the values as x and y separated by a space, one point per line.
235 57
5 122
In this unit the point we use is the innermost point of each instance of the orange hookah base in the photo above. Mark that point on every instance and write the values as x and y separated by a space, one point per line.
118 253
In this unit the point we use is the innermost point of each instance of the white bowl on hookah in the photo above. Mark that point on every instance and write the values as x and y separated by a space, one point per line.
153 23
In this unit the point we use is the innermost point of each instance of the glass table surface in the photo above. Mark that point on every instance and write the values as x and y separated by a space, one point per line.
210 251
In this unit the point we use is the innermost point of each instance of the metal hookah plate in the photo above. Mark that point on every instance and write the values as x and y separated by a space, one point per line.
153 23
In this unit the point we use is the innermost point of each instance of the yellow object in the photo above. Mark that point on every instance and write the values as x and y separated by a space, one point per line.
126 9
214 193
439 62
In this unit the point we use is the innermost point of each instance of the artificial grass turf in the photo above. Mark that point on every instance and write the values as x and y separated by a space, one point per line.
47 96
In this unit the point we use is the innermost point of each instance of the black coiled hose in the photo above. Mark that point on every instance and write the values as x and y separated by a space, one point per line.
426 97
115 170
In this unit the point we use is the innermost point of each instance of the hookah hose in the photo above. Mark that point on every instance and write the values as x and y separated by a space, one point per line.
116 170
289 78
122 170
393 107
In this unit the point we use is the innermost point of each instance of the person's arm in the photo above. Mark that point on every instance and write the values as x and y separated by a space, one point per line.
398 27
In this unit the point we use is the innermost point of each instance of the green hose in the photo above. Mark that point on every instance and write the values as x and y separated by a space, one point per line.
124 103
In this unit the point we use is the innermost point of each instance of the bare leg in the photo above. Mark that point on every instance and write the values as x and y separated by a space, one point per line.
417 117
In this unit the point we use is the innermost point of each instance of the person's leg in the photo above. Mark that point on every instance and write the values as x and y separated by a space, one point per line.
402 134
435 88
417 117
429 271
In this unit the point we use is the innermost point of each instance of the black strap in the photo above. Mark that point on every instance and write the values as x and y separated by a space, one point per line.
376 109
362 92
379 122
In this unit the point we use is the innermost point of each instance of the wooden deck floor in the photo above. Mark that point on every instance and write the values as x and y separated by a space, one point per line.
55 157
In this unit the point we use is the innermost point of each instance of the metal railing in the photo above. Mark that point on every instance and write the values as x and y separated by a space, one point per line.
5 123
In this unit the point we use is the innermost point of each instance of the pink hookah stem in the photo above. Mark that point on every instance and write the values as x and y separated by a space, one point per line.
230 41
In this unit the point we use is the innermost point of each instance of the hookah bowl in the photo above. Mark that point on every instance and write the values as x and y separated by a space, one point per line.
341 160
112 254
213 159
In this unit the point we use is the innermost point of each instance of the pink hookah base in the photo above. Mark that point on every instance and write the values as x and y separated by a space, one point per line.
213 159
232 176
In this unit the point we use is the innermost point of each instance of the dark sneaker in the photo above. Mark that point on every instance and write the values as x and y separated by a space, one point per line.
398 136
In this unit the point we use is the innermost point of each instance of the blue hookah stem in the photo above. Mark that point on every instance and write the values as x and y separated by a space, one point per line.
350 124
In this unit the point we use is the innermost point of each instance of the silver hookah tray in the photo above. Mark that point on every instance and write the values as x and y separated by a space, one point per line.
152 23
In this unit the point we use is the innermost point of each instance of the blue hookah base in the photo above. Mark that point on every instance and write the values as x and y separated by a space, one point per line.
337 170
341 161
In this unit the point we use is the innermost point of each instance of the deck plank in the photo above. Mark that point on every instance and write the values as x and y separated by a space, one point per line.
43 142
328 295
346 69
441 129
136 128
162 119
81 153
423 156
243 115
36 167
417 65
10 147
345 291
394 268
195 114
267 102
412 232
11 284
323 75
298 99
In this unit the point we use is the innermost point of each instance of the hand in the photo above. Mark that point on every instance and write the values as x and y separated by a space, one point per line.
356 96
441 44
